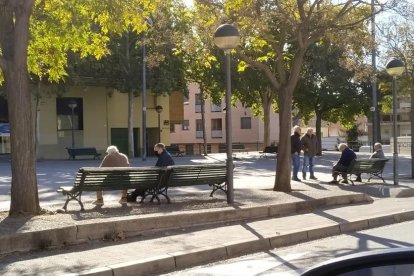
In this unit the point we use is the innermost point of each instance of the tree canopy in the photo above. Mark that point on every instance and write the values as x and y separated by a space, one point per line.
36 37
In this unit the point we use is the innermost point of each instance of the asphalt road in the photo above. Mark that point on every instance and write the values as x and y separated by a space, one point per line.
295 259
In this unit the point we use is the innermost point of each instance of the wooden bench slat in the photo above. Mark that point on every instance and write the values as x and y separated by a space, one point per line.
154 180
108 179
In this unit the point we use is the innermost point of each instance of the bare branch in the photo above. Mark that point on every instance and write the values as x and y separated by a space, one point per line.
260 66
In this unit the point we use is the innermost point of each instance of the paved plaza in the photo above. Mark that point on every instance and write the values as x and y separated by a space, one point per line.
142 239
251 171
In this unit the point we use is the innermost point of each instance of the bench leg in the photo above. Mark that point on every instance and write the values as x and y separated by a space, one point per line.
155 194
378 174
222 187
75 196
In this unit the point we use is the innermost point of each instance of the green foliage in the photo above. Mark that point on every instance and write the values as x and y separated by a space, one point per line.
122 67
328 88
58 28
352 135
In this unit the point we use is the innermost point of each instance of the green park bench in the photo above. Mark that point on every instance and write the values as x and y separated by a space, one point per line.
73 152
268 150
373 166
192 175
174 150
92 179
155 181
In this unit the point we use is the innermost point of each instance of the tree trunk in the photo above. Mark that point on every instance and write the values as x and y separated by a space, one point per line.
130 124
37 120
318 133
267 104
283 164
203 119
14 31
131 153
412 128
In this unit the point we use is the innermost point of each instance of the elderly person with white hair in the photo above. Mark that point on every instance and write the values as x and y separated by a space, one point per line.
342 165
113 159
310 148
296 147
378 153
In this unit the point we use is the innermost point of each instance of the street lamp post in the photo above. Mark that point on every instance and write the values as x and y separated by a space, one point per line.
395 68
144 94
159 109
227 37
72 105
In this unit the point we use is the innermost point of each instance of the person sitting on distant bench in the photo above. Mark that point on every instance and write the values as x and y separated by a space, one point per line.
378 153
342 165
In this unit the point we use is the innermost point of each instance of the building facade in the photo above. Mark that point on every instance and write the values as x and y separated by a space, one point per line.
246 129
97 117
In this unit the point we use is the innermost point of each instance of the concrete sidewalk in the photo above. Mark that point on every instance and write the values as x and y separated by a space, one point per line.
172 249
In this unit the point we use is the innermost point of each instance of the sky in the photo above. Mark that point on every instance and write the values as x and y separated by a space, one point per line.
189 3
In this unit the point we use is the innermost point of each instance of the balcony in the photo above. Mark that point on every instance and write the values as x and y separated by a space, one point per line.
199 134
216 134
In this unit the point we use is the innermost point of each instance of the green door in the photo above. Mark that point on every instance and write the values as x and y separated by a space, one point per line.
119 138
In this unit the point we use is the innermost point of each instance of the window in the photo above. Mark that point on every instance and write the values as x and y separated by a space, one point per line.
216 124
199 128
199 125
198 103
69 113
198 99
386 118
245 122
186 125
216 128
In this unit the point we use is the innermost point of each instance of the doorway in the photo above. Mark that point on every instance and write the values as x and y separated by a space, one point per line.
119 138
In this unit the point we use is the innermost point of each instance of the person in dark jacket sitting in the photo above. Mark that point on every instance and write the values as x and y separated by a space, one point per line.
342 165
164 157
164 160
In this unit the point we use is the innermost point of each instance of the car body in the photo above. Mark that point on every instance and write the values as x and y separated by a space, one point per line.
394 261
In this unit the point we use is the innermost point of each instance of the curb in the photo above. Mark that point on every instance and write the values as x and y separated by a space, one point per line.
137 225
184 259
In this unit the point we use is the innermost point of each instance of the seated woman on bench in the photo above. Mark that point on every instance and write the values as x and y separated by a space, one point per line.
113 159
342 165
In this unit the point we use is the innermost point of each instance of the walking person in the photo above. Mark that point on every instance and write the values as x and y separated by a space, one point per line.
296 147
310 148
113 159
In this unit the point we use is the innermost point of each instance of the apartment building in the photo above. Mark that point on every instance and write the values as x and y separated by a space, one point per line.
188 133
